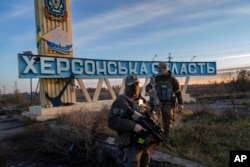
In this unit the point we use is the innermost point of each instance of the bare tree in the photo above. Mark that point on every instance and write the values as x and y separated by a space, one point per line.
243 80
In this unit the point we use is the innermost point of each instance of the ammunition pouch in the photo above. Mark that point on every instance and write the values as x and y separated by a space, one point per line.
156 108
143 140
124 140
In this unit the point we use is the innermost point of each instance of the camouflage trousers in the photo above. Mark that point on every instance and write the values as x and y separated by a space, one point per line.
167 118
136 157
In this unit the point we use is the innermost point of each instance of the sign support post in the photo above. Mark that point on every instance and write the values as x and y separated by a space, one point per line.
54 38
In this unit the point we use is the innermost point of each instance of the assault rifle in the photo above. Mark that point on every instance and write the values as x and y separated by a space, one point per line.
154 101
146 121
152 127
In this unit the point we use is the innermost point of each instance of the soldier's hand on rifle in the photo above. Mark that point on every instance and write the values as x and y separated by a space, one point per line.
180 107
138 128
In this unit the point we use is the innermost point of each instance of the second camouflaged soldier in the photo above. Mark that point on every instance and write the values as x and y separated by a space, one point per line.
164 89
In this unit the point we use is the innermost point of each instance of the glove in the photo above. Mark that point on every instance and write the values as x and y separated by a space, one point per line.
138 128
180 107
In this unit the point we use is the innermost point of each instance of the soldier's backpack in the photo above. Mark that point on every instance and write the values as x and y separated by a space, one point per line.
164 89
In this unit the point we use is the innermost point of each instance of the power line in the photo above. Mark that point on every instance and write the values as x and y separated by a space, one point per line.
213 49
210 52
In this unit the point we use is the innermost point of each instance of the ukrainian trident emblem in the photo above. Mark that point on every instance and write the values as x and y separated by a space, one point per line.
55 10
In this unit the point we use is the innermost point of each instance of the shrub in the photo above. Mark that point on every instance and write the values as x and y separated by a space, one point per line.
72 139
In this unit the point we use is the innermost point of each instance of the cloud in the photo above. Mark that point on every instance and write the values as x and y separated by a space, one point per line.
188 16
118 20
27 36
17 11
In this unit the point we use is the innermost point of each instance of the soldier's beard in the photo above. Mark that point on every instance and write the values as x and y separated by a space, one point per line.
132 91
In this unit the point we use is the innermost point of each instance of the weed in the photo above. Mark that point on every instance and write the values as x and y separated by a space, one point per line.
207 137
72 138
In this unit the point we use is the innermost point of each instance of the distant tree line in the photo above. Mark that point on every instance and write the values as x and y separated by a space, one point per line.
230 84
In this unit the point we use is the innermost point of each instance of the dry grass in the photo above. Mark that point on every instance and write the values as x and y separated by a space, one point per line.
200 136
207 138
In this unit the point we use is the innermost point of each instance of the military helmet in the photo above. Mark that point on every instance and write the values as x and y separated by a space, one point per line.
131 79
162 65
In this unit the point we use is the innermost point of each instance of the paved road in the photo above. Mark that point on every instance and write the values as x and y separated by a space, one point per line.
9 128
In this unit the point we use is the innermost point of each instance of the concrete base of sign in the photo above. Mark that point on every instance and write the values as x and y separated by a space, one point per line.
39 113
187 98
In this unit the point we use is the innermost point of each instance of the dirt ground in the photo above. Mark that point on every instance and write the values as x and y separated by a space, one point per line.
24 148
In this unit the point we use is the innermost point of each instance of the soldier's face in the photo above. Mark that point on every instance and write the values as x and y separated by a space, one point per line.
135 90
162 71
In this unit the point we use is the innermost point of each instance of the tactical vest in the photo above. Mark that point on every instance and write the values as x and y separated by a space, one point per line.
164 89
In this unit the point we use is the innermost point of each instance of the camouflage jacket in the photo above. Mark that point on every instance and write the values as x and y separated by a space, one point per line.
119 118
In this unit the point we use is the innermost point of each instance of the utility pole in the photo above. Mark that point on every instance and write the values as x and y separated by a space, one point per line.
31 90
16 86
187 79
29 53
16 93
154 57
169 57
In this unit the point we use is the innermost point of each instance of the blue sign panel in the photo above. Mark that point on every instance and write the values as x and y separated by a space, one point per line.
39 66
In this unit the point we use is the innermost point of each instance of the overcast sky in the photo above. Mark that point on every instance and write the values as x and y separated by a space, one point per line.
210 30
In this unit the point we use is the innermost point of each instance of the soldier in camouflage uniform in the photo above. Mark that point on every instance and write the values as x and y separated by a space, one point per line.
120 120
164 89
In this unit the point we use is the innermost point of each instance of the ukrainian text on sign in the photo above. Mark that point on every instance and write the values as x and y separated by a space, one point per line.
35 66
